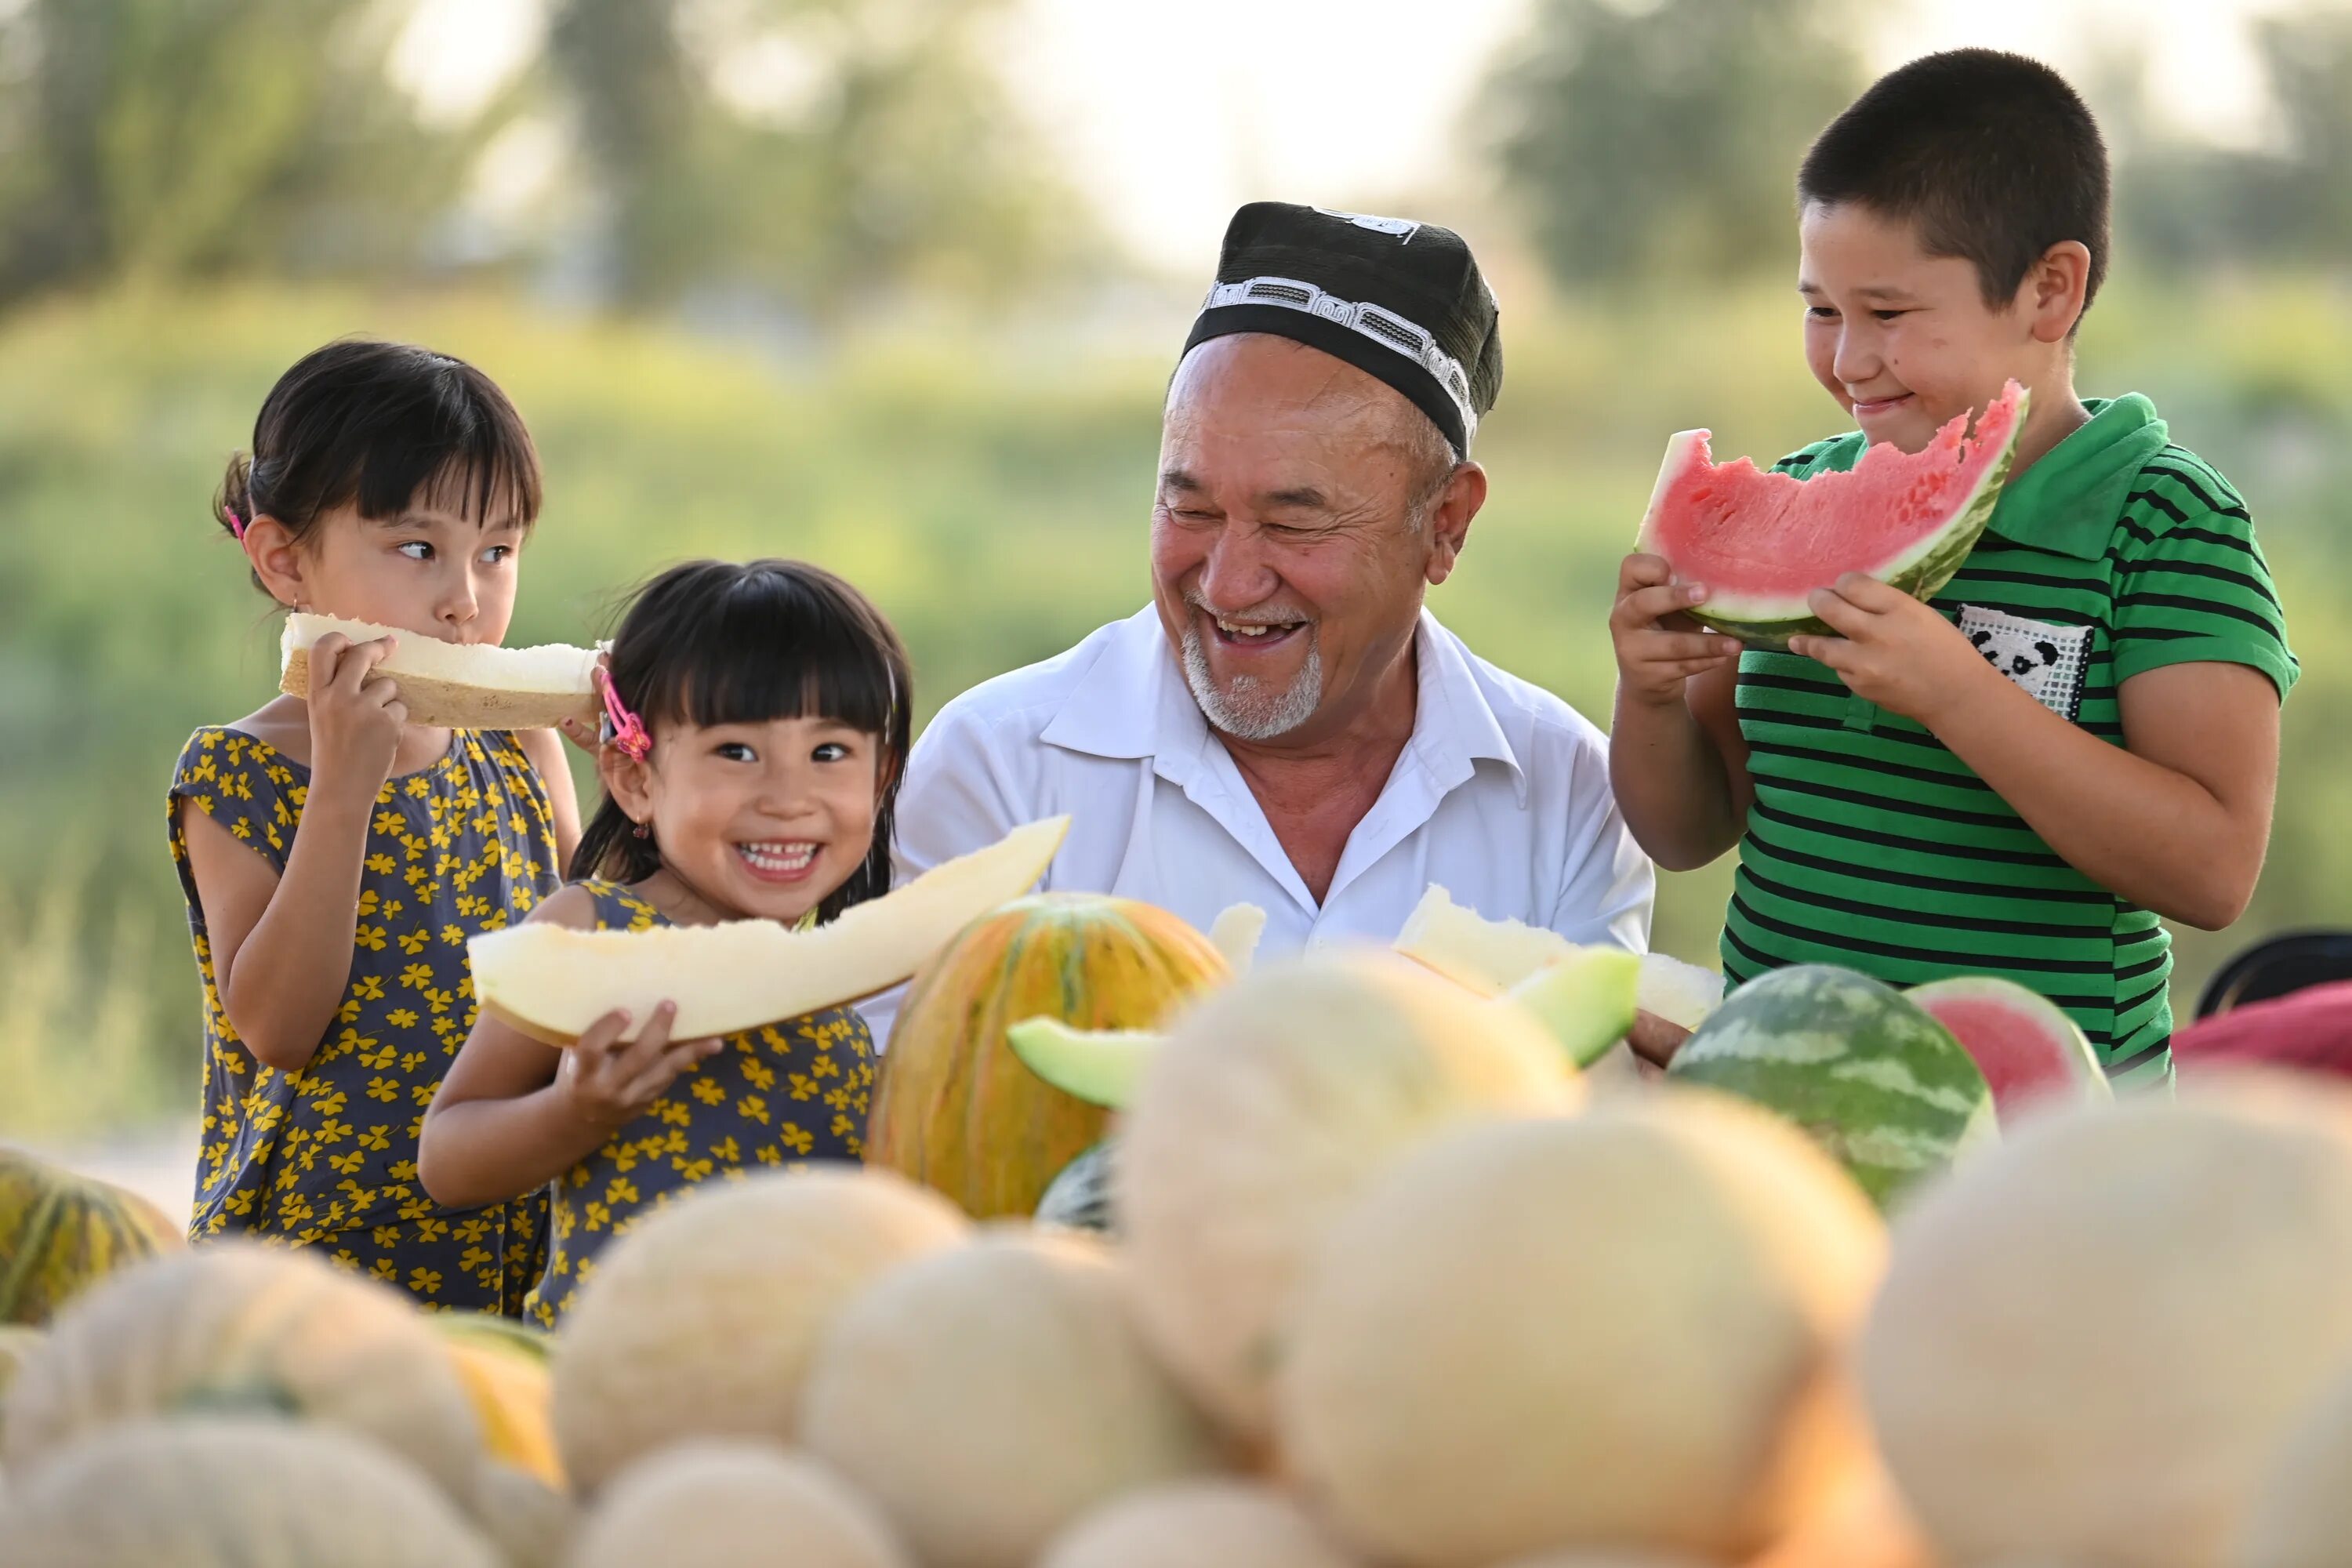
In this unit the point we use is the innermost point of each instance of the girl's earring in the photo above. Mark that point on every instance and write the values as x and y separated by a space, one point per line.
640 831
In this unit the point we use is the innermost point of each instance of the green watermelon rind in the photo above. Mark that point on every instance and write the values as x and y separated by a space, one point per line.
1879 1084
1937 559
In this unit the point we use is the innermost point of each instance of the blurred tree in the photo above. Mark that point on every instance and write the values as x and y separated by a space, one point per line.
147 139
1663 139
825 150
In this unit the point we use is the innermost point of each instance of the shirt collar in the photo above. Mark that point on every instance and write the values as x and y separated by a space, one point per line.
2069 500
1134 703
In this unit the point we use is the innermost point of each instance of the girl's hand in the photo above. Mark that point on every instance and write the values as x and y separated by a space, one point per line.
356 716
1659 648
610 1083
1891 649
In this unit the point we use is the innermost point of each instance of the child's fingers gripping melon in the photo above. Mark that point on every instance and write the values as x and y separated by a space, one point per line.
461 686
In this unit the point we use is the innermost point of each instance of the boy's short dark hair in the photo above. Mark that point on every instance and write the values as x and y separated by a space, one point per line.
1993 155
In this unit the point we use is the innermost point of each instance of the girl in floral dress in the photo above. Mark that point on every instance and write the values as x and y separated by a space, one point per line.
758 731
335 857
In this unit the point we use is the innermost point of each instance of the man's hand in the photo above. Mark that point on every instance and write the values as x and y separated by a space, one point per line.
1658 646
1654 1039
1891 649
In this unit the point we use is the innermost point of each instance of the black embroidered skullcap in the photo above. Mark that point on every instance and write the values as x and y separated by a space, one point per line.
1398 300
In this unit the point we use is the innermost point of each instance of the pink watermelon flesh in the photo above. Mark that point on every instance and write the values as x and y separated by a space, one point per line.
1763 542
2025 1046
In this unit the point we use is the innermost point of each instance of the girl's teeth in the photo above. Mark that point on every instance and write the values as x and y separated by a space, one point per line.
778 857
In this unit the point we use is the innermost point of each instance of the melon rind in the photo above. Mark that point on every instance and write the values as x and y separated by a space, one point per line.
1584 1001
1921 569
553 983
1872 1077
461 686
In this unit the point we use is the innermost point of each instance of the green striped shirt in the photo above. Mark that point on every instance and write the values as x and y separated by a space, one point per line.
1871 845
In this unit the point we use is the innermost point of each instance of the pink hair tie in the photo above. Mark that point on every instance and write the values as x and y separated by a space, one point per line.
622 728
236 524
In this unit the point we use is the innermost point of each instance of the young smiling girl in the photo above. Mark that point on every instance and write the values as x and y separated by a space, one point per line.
759 728
335 858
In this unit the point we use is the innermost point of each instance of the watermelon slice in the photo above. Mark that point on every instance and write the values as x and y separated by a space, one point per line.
2024 1044
1763 542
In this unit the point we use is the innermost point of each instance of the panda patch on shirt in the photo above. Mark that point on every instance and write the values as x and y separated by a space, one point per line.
2046 659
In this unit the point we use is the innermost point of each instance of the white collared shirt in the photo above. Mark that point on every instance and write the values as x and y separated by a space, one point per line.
1501 795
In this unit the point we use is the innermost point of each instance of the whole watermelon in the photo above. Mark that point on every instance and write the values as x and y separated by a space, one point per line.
1868 1073
955 1109
61 1233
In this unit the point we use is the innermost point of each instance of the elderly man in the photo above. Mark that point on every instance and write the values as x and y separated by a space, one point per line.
1286 725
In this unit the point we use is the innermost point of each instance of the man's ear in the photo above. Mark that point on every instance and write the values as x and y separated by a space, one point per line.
1449 520
629 781
278 559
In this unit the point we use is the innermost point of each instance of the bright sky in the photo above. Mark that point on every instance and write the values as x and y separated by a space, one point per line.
1171 112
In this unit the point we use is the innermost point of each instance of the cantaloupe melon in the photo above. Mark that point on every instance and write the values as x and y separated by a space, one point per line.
954 1108
1616 1329
1197 1524
211 1492
1274 1102
503 1364
529 1522
739 1504
61 1232
551 982
2094 1337
988 1396
2302 1515
701 1319
235 1326
16 1343
464 685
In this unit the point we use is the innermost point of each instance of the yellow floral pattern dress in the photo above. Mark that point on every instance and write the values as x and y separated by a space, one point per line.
325 1156
778 1097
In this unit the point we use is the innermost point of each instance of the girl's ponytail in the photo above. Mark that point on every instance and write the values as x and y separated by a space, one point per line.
233 502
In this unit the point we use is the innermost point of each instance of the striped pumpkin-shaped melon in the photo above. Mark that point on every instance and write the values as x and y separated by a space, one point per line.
1867 1073
956 1110
61 1233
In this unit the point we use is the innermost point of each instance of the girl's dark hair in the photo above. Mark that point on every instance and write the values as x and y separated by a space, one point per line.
714 643
375 423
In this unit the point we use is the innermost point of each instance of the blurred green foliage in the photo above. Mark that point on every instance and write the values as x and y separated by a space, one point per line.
993 502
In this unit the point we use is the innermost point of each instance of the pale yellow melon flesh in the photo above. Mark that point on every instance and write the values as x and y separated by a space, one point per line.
552 983
1488 956
461 686
2302 1516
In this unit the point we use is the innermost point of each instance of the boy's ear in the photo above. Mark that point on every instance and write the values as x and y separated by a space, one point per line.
2055 288
629 781
276 559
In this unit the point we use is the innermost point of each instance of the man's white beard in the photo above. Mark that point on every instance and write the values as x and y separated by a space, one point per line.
1249 711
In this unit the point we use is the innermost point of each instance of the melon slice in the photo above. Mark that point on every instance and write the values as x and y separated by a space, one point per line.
464 685
1763 542
552 983
1235 934
1585 1001
2025 1045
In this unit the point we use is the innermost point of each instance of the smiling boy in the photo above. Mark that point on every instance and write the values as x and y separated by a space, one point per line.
2079 735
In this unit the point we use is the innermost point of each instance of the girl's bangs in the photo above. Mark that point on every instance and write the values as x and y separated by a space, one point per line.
775 649
462 448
